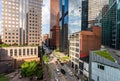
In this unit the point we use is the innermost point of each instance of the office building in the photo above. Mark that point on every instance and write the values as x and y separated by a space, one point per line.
73 18
111 25
21 22
63 23
80 45
54 24
84 15
104 66
94 9
55 33
54 9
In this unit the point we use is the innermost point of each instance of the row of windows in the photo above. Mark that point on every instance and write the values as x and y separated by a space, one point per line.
101 67
34 35
11 37
11 33
33 21
10 26
23 52
8 29
11 40
33 38
10 18
33 25
33 41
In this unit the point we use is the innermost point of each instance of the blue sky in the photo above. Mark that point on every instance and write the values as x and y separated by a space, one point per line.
0 16
74 16
45 16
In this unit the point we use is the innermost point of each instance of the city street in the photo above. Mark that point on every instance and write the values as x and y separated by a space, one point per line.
54 66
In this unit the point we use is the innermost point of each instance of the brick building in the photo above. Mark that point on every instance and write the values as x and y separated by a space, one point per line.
79 46
90 40
54 24
55 34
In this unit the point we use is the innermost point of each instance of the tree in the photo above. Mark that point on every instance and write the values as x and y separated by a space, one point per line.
28 68
45 58
4 78
40 73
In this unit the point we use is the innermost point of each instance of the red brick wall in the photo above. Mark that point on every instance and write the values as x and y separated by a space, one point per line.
90 41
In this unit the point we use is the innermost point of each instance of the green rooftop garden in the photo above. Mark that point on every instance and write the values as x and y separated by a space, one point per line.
4 45
105 54
7 45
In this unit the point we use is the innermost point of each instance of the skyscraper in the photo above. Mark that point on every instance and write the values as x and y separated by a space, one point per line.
21 22
54 25
54 9
94 9
64 25
111 25
84 13
73 18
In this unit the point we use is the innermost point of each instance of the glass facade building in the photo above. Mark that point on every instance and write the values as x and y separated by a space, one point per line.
111 25
84 9
94 9
73 18
64 25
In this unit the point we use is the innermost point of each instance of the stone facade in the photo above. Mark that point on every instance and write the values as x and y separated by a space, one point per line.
17 55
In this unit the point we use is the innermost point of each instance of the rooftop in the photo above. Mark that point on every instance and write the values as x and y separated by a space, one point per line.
7 45
105 54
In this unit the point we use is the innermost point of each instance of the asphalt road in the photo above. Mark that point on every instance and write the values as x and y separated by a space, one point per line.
53 66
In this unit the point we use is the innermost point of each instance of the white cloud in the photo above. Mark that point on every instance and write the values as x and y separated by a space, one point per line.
0 27
46 16
46 12
74 7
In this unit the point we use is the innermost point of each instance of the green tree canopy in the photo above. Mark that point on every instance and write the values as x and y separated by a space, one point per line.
28 68
4 78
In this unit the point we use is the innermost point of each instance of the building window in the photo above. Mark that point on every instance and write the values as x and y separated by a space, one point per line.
23 51
31 51
101 67
27 51
20 52
11 52
35 51
15 52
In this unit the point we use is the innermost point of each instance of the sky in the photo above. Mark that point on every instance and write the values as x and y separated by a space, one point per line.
74 16
45 16
0 17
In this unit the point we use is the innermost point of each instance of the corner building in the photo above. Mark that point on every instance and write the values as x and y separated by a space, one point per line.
21 22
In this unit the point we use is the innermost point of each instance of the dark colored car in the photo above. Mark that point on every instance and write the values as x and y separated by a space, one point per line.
63 71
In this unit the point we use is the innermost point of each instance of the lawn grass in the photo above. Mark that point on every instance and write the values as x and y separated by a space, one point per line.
105 54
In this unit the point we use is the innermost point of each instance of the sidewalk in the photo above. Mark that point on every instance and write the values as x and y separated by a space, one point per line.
46 76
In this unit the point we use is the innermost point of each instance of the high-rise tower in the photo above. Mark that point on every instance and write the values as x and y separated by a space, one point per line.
21 22
111 25
94 10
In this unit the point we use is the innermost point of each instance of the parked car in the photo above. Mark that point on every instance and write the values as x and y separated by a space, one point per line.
57 70
63 71
56 79
71 73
